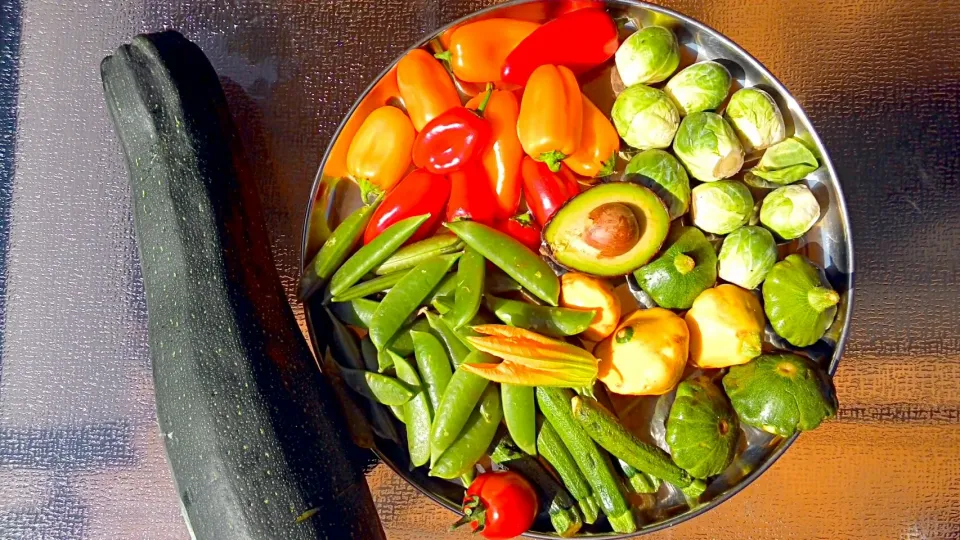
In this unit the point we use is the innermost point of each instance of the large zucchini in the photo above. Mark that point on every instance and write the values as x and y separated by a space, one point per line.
257 446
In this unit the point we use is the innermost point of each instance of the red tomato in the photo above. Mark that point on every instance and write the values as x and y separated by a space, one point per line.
472 196
523 229
544 190
499 505
420 192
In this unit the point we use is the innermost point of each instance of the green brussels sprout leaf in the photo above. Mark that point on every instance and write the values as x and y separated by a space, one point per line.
721 207
756 118
645 117
747 255
789 211
700 87
649 55
660 172
708 147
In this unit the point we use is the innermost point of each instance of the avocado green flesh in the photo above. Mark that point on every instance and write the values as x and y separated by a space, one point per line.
564 233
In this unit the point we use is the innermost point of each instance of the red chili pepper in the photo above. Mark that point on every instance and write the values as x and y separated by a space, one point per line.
499 505
544 190
450 141
420 192
579 40
471 196
523 229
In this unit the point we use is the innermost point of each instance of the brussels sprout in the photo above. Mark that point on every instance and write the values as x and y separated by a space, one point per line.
748 253
786 162
650 55
721 207
645 117
789 211
662 173
709 148
756 118
700 87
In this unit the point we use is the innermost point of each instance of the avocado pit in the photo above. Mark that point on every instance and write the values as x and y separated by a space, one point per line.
612 229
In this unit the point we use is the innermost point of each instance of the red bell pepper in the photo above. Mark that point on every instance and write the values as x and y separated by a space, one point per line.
579 40
452 139
573 5
523 229
544 190
471 195
420 192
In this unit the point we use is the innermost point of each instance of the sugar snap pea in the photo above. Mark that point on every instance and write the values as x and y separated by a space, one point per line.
376 386
371 286
470 276
546 320
336 249
445 289
379 417
357 312
458 401
474 439
416 412
555 452
369 256
407 257
520 415
498 282
433 365
405 297
456 347
523 265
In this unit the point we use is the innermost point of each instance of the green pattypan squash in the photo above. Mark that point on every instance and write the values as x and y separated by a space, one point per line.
780 393
702 429
687 268
800 305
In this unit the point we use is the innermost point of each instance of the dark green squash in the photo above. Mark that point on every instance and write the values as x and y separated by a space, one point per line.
256 443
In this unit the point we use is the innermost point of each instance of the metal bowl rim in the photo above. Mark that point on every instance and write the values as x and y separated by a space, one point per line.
840 201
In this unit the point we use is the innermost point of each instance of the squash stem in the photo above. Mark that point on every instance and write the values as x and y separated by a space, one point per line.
822 299
684 264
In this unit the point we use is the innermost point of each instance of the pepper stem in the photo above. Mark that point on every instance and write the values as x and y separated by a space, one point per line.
553 159
369 192
486 100
608 166
684 264
822 299
445 56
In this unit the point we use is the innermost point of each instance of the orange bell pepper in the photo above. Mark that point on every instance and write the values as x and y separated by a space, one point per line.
599 142
551 115
477 50
384 92
425 87
381 151
502 156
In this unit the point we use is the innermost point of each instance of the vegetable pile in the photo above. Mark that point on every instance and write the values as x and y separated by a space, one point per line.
526 263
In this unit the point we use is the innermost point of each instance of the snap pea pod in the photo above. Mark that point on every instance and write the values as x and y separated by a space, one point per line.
553 450
445 289
549 321
335 250
357 312
379 417
371 286
474 439
523 265
374 253
344 351
553 498
498 282
603 427
433 364
405 297
375 386
458 401
456 347
402 343
470 275
555 403
640 482
407 257
520 415
443 305
416 412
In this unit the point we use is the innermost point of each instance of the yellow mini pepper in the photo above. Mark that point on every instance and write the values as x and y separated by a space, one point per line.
597 154
478 50
381 151
551 115
425 86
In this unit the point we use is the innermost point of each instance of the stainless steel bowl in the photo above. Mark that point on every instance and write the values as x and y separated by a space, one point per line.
829 244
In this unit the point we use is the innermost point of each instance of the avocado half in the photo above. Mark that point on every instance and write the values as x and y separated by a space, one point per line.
608 230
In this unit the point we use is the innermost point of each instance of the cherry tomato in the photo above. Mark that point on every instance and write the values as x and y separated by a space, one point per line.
420 192
523 229
499 505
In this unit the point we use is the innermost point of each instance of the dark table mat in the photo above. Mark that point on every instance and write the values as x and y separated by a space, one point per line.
80 453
